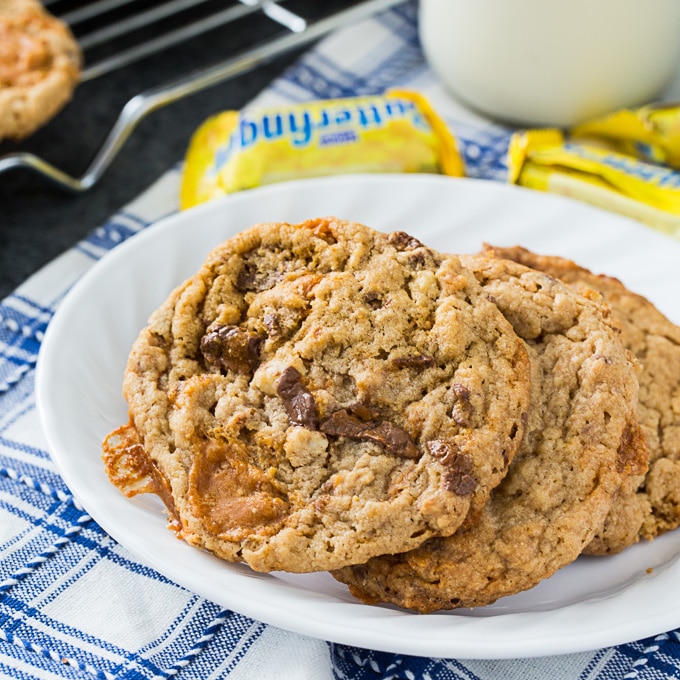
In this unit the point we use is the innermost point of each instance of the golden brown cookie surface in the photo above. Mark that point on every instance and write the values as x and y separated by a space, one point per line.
581 444
319 394
39 67
652 505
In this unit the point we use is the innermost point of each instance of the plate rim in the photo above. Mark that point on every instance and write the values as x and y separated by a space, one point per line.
574 643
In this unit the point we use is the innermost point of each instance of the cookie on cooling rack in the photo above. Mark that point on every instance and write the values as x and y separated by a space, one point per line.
319 394
581 444
39 67
652 505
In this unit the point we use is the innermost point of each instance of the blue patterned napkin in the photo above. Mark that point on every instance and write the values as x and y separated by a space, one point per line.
74 604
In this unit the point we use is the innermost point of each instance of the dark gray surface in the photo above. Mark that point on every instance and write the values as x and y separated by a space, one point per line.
39 221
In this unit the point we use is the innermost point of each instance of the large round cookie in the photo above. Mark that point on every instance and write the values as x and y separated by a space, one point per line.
652 505
582 441
319 394
39 67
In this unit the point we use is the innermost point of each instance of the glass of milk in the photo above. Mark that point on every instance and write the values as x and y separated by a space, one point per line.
551 62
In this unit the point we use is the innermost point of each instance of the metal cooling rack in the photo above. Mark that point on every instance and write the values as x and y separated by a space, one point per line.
101 25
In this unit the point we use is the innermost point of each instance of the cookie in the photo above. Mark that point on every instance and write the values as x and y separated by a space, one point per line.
582 442
319 394
39 67
652 506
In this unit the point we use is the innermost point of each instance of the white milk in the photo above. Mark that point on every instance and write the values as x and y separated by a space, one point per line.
551 62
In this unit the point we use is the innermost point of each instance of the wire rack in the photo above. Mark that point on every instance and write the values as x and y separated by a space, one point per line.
114 34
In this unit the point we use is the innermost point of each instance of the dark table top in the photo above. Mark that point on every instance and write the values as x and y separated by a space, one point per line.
39 221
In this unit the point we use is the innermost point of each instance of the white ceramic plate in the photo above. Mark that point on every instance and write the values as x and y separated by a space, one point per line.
592 603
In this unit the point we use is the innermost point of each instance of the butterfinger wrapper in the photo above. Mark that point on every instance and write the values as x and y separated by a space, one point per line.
544 160
397 132
651 133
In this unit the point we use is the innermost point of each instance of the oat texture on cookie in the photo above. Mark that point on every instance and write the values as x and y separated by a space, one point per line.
650 505
319 394
581 445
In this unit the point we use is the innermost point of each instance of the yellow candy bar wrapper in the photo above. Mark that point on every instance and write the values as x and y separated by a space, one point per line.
544 160
651 133
395 132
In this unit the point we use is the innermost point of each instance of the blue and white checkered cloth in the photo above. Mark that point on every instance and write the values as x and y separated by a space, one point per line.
74 604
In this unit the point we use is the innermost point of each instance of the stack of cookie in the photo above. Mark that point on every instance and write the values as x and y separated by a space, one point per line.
436 430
